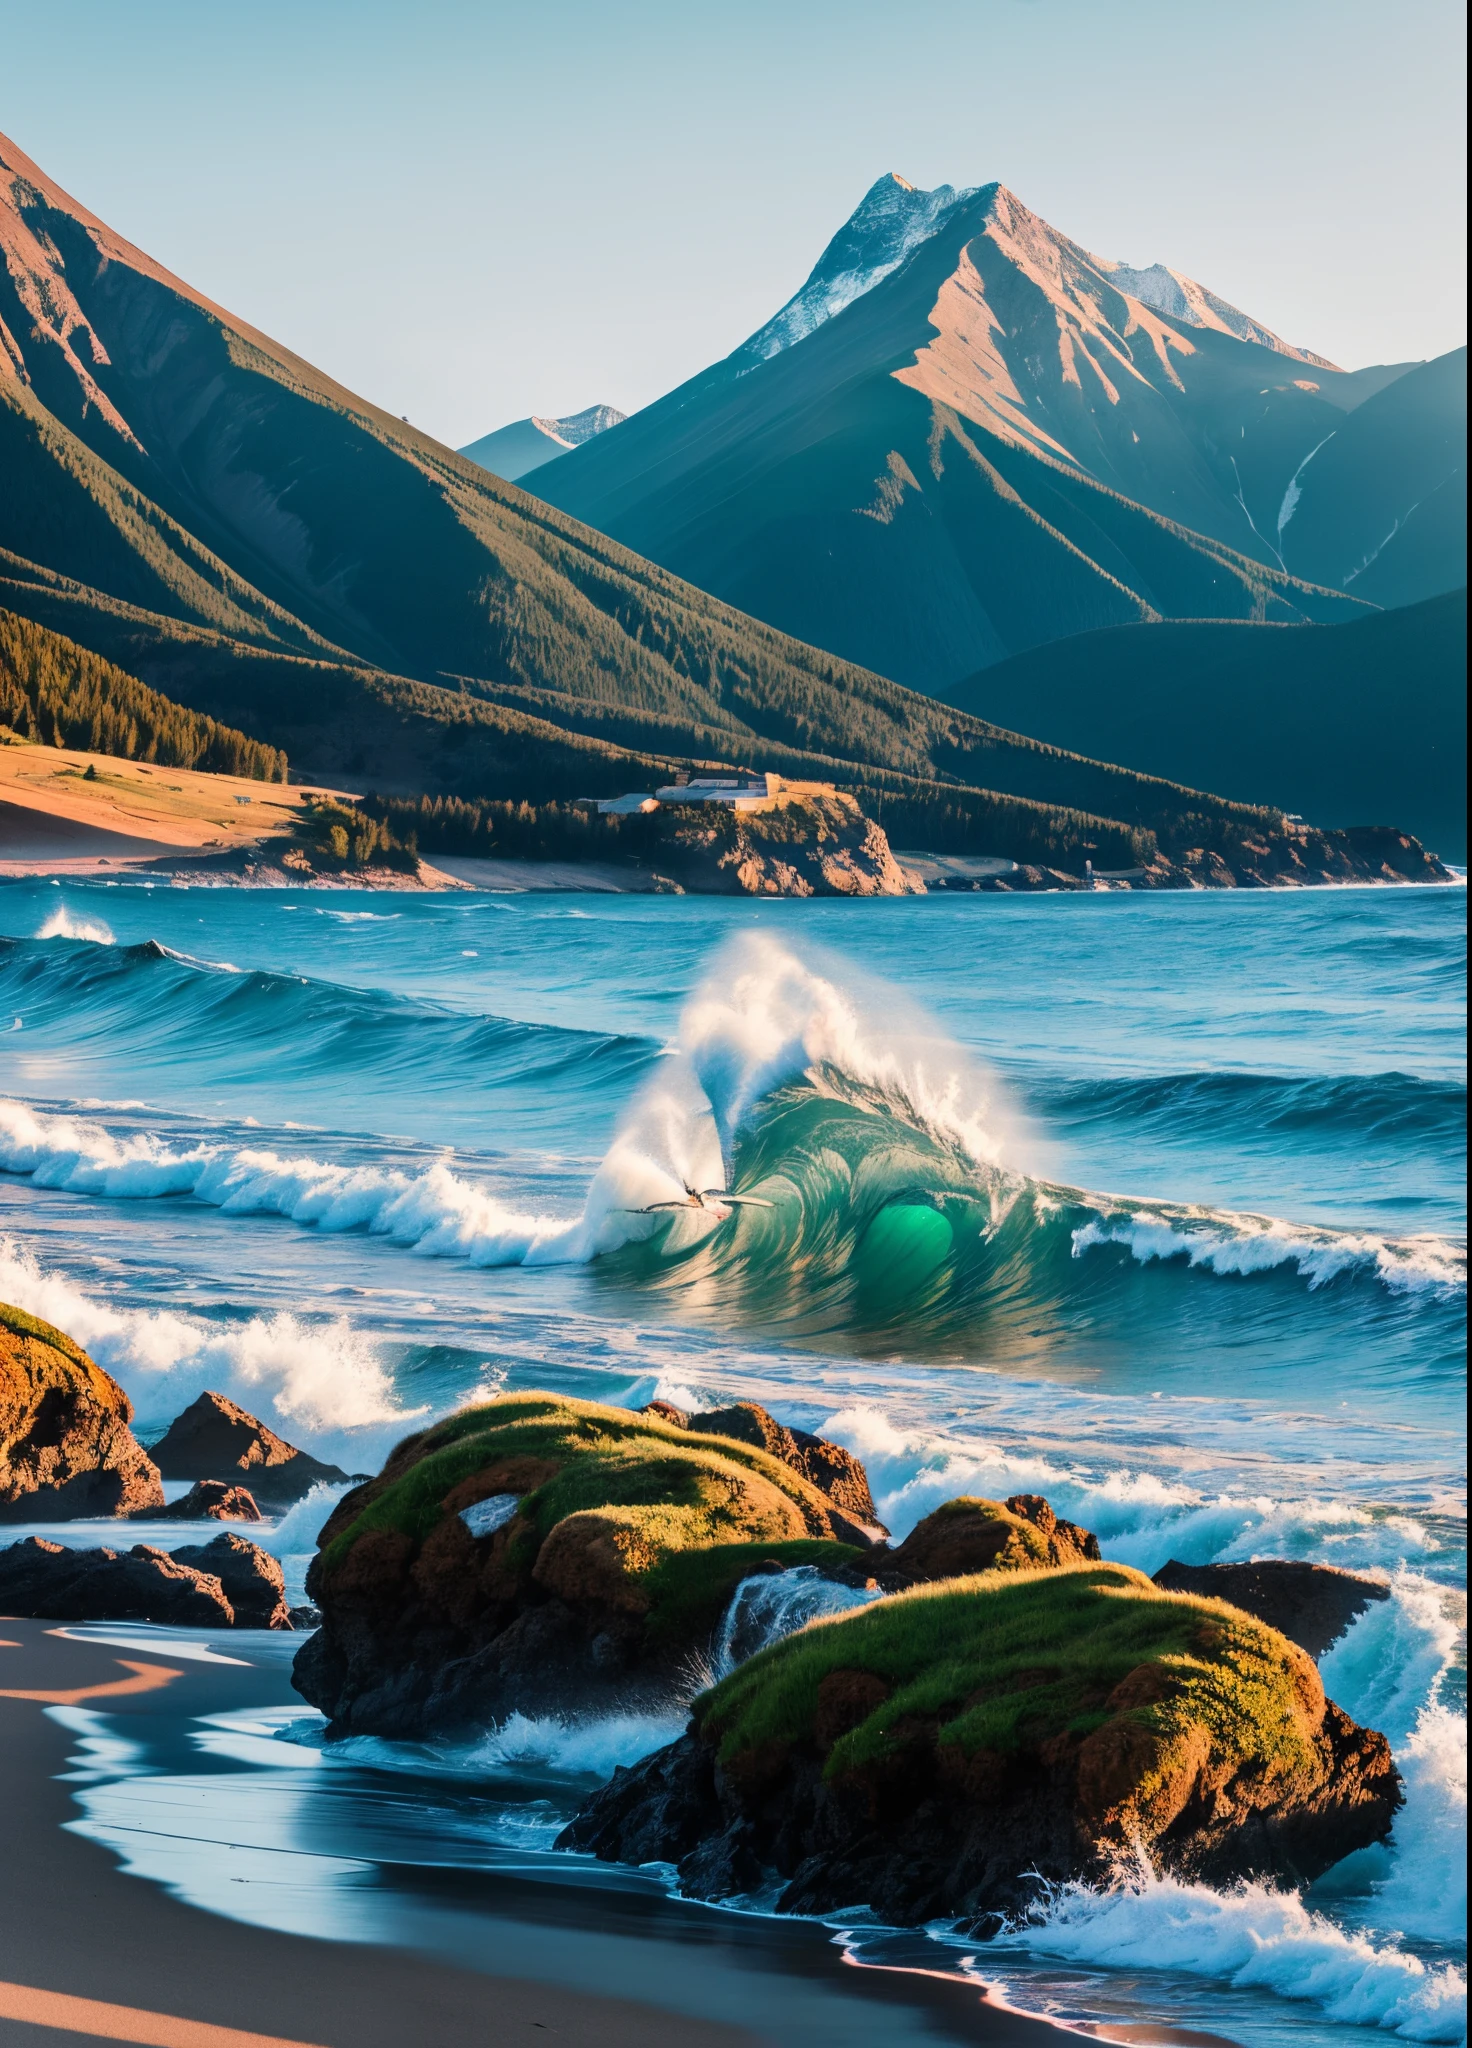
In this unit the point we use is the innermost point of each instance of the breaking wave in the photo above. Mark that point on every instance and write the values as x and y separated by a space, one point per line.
1236 1244
896 1204
1255 1939
318 1377
62 925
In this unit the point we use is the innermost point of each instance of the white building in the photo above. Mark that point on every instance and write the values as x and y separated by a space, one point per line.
761 793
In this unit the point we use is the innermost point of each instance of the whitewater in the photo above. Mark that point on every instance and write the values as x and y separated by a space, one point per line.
1154 1206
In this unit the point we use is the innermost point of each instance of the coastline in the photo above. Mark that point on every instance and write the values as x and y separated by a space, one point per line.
448 874
486 1958
68 815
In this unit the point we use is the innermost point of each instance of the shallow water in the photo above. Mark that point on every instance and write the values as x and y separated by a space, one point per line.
1155 1205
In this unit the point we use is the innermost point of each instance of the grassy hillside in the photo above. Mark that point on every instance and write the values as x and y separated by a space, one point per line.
1347 725
929 774
57 693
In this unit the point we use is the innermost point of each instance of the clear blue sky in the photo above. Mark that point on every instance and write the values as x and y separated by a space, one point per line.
472 212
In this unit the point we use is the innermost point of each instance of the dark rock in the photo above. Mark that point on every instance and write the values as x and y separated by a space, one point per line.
251 1577
208 1500
1311 1604
304 1618
66 1448
662 1809
216 1439
54 1583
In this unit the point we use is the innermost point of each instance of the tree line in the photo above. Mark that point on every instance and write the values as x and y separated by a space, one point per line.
58 694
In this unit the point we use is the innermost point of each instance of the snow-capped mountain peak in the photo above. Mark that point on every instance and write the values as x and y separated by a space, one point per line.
891 221
1179 297
894 218
577 427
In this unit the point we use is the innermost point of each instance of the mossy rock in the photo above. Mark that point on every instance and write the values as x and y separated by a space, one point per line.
972 1534
936 1753
1000 1663
629 1532
66 1445
18 1322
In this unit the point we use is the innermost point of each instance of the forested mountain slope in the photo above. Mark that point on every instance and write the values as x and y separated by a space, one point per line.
1346 725
201 507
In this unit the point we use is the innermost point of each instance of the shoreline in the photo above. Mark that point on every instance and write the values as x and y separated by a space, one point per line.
453 874
481 1957
68 815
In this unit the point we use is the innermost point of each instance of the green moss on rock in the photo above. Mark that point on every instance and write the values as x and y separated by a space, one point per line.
20 1323
1001 1663
615 1506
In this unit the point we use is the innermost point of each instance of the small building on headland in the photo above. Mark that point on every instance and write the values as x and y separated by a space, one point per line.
754 793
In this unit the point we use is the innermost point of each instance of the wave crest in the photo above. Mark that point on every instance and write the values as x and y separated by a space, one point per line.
1253 1938
61 924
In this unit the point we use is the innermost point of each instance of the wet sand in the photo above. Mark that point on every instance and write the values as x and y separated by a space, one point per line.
71 1923
484 1960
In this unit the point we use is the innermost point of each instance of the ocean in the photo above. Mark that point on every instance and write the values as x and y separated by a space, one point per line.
1153 1204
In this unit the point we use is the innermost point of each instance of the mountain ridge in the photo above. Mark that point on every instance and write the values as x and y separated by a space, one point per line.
965 459
1295 713
513 451
240 532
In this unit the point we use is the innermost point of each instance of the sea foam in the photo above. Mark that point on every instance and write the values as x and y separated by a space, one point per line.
1253 1938
319 1378
1141 1516
62 924
435 1212
1227 1243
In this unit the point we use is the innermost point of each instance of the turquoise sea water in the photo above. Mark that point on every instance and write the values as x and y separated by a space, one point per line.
1155 1205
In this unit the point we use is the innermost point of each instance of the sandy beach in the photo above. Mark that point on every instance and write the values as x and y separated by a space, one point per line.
88 1950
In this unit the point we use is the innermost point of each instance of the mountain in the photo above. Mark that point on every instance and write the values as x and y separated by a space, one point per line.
510 452
1294 714
190 501
1379 506
966 436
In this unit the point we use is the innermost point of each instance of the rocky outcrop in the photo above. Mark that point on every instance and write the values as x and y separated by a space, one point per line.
54 1583
973 1535
216 1439
208 1500
942 1752
229 1583
1311 1604
833 1470
813 845
66 1447
1293 857
251 1578
544 1555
